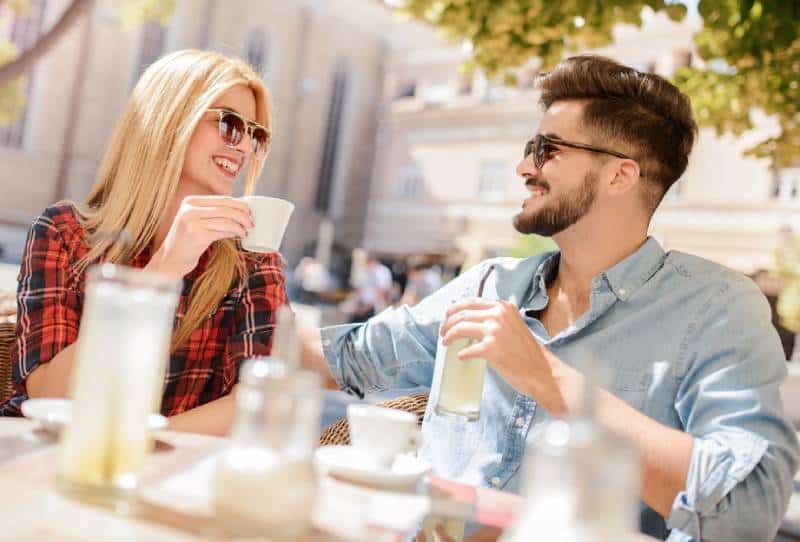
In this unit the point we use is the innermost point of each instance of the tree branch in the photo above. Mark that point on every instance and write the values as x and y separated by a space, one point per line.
43 45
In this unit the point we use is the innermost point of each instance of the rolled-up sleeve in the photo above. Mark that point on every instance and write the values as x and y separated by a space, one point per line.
396 348
745 451
48 303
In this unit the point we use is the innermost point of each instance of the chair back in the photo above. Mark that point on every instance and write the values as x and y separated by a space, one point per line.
339 432
6 341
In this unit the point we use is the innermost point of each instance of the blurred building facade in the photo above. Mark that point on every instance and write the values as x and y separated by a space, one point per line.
448 147
379 141
324 63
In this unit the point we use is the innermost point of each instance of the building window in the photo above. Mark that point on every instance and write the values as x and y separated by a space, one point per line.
439 94
409 184
25 31
492 181
256 51
786 185
151 47
332 134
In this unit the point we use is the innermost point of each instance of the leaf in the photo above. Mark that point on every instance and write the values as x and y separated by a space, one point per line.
136 12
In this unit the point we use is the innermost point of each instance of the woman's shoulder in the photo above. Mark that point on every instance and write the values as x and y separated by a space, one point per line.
61 217
60 223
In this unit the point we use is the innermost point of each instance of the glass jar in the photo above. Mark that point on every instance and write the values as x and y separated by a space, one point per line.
582 483
118 378
264 482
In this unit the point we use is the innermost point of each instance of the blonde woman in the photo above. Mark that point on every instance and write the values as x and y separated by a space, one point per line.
195 122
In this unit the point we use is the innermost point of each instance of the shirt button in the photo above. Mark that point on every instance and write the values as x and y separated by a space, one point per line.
520 421
623 291
326 342
496 481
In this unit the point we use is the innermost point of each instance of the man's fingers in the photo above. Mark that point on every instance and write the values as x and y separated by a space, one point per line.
471 303
466 315
477 350
465 330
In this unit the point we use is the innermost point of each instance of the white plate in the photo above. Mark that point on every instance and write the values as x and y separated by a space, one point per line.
348 463
53 414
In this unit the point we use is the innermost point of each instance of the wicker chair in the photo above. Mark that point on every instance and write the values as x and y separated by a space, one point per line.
339 432
6 340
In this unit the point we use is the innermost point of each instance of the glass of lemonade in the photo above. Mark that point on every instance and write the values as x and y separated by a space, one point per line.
117 380
461 387
461 384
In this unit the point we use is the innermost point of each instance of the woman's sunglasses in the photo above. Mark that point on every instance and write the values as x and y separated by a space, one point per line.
542 147
233 126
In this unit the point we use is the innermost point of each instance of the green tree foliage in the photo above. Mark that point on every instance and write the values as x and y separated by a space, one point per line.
12 96
530 245
750 49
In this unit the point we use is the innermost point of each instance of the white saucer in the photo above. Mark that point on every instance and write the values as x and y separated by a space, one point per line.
348 463
53 414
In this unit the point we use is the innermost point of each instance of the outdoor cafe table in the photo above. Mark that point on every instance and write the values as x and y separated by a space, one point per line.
34 509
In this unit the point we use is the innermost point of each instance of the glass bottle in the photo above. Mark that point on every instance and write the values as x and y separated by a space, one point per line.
582 483
461 383
264 482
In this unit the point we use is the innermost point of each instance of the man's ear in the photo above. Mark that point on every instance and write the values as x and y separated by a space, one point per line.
626 177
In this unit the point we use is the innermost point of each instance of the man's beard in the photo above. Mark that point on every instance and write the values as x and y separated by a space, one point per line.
559 215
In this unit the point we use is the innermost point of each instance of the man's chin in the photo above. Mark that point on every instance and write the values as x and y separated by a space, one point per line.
525 224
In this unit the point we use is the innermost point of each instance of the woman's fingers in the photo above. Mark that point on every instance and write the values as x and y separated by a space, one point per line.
209 213
223 225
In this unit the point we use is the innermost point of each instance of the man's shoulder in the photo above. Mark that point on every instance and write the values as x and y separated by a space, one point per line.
709 274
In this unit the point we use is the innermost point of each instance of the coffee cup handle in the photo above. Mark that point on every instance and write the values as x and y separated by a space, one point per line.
414 441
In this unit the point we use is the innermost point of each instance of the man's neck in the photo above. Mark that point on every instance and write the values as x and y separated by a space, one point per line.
585 257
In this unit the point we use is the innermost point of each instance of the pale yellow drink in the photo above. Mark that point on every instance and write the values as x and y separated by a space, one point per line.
461 386
124 340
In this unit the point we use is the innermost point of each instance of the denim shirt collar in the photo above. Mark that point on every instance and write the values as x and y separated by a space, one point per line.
623 279
627 276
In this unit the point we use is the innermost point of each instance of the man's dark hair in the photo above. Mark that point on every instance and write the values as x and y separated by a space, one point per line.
640 114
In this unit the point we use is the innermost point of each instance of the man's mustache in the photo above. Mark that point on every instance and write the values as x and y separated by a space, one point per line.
533 183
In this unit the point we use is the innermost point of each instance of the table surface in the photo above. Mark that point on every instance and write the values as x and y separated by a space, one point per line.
28 459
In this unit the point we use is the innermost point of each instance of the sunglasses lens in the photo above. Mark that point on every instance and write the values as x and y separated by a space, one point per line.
231 129
260 142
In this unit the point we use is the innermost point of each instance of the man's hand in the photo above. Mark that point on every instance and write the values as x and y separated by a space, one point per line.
504 340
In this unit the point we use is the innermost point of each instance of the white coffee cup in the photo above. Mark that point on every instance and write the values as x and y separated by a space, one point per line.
383 433
271 216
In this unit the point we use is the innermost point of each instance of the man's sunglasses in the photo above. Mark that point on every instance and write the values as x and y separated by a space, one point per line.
542 148
233 126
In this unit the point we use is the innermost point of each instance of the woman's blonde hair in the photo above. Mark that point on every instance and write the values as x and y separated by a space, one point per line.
142 166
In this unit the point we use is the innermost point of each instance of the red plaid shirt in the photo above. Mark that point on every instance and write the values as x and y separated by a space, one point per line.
50 300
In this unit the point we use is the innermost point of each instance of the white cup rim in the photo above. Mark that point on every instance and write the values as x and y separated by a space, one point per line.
376 411
265 198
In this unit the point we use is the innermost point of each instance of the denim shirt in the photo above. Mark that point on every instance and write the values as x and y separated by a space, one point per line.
689 343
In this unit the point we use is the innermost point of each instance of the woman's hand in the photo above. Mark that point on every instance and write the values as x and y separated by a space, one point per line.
200 221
